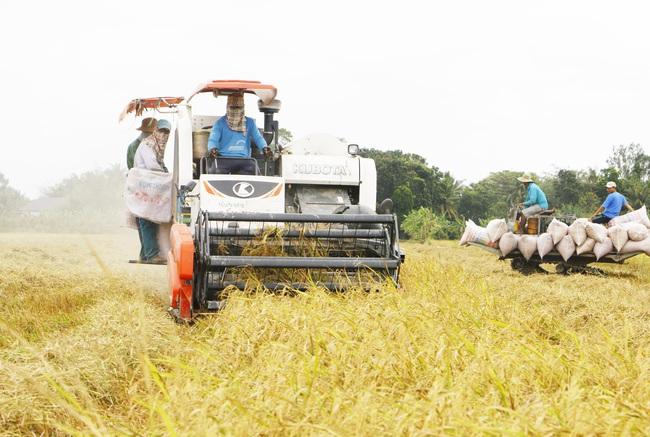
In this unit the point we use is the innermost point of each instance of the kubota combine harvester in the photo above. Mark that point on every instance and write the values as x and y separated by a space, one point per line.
307 216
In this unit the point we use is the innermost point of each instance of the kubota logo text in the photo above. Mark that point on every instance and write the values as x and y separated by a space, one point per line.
324 169
243 189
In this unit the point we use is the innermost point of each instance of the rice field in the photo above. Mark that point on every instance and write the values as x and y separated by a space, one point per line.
467 346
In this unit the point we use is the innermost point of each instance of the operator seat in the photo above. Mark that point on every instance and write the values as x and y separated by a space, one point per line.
223 165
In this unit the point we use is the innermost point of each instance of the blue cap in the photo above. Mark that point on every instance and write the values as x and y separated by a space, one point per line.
164 124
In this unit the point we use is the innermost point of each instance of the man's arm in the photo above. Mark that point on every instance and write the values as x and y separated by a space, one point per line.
628 207
259 141
213 139
130 153
598 211
531 198
604 206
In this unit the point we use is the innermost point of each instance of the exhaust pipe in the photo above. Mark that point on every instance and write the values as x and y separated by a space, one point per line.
271 126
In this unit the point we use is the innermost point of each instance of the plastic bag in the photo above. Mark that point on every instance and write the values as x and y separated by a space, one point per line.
596 231
586 247
639 216
566 247
635 231
557 229
578 231
496 228
602 249
618 235
544 244
527 245
148 194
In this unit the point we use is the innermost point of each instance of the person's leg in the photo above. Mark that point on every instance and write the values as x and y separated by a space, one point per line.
149 238
532 210
600 219
225 166
141 256
246 167
522 222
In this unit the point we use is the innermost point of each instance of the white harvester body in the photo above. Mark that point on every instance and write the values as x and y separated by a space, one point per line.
309 208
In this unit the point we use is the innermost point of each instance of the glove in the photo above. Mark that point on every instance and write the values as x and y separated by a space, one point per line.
213 153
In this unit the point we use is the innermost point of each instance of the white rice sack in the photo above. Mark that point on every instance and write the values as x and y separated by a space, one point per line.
527 245
637 246
578 231
586 247
474 234
596 231
468 229
638 216
602 249
618 235
566 247
508 243
544 244
635 231
148 194
557 229
496 228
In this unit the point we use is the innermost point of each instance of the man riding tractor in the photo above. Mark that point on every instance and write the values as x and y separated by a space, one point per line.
534 204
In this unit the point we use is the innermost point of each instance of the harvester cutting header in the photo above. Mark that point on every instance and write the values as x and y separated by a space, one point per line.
288 217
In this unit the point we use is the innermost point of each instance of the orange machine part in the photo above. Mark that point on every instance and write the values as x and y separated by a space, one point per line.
140 105
264 91
180 265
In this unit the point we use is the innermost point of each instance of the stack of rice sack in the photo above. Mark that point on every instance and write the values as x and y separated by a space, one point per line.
626 234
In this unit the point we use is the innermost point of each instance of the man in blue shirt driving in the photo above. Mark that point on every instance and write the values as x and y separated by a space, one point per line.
231 137
534 203
614 203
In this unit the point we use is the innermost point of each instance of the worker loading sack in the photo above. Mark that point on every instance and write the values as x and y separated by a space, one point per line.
626 234
148 194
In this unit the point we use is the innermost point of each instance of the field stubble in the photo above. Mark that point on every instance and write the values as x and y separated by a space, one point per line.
466 346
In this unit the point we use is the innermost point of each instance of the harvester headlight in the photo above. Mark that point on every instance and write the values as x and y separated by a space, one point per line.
353 149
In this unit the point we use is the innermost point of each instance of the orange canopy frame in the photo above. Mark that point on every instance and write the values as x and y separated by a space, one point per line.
265 92
140 105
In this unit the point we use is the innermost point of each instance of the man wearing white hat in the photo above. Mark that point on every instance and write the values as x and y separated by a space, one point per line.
612 206
535 201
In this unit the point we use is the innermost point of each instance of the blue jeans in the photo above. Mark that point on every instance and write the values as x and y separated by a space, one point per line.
148 232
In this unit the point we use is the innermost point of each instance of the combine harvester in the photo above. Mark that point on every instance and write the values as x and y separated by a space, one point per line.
538 225
306 217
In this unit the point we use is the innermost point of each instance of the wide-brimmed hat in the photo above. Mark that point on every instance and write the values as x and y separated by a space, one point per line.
148 125
524 178
610 184
164 124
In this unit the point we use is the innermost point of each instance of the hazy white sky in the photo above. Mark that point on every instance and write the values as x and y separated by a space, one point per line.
474 86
